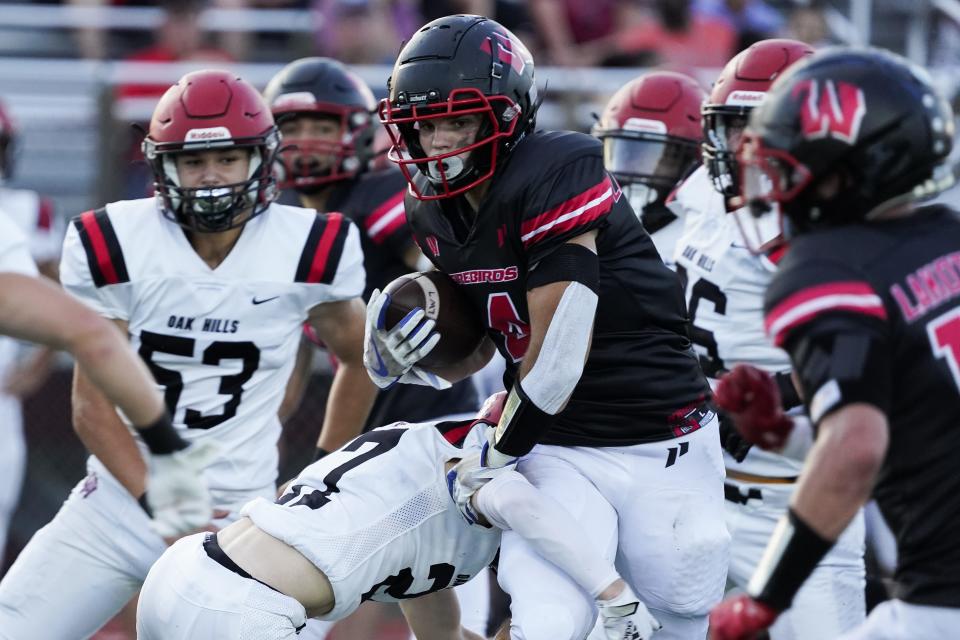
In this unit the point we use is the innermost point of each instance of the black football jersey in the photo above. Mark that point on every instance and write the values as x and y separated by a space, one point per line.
641 382
871 314
374 201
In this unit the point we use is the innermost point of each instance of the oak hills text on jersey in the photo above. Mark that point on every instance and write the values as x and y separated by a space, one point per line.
211 325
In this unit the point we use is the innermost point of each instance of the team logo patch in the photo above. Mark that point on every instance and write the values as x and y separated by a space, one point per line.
830 110
434 245
89 485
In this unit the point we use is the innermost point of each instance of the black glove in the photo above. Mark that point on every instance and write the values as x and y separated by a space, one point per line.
730 439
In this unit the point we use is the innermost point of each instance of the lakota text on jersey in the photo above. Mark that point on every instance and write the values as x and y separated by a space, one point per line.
931 285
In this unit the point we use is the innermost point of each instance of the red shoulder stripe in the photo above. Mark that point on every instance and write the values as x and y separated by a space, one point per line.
322 251
104 255
386 218
805 305
570 214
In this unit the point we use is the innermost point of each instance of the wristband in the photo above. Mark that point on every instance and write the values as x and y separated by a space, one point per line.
521 424
161 438
319 453
789 396
792 554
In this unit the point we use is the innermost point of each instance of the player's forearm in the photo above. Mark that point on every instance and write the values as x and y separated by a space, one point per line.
841 469
104 435
435 616
348 405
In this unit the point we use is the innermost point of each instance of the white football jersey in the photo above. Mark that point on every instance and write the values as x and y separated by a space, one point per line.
34 215
377 519
725 284
220 342
14 247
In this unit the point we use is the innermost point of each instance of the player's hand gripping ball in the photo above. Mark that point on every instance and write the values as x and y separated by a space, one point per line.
457 321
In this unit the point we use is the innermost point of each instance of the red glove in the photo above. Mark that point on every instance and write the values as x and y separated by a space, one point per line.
751 397
740 618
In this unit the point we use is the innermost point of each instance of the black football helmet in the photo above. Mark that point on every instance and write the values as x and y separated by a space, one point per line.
323 87
866 120
452 66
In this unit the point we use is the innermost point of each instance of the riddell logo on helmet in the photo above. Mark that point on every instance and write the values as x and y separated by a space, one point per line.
213 133
645 124
746 98
830 110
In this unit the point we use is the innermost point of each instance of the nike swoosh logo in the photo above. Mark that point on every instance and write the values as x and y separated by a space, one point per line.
381 368
255 301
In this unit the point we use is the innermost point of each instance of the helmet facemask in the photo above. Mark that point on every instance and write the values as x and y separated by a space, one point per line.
646 165
210 209
719 155
459 170
301 162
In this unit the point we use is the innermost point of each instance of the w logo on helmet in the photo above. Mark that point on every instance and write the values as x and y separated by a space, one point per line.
830 110
509 51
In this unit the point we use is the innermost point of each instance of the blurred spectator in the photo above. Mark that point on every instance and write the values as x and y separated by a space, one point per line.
752 20
364 31
179 38
678 37
513 14
579 33
807 23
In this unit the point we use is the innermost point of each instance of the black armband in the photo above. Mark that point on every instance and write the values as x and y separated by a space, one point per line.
161 438
319 453
569 262
522 423
789 396
797 550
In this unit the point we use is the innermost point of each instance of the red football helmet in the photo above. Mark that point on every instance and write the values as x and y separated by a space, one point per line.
742 85
651 133
7 141
212 110
325 88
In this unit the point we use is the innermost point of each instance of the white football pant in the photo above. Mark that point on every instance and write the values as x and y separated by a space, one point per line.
80 569
662 524
831 601
899 620
188 596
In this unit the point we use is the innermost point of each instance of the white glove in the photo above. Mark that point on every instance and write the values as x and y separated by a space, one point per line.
388 354
177 493
472 472
625 617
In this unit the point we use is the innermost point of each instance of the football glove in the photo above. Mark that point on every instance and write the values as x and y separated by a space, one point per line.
388 354
750 397
472 472
740 618
177 492
625 617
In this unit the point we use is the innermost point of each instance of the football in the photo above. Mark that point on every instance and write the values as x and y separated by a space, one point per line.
458 322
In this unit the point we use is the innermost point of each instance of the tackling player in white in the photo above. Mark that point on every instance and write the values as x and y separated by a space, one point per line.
374 521
212 281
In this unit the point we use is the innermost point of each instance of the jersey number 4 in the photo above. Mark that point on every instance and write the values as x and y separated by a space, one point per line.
944 334
213 355
503 318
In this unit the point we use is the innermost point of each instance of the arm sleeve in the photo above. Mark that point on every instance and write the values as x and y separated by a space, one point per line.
111 301
573 200
511 503
835 327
